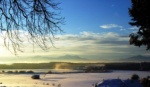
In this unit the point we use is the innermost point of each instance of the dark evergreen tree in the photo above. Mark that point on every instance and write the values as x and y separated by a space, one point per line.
140 16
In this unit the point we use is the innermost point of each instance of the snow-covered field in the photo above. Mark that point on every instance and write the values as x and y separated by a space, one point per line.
64 80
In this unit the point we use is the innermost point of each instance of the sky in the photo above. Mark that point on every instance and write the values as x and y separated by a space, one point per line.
94 30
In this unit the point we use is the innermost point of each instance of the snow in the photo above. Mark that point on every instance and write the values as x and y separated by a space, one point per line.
134 83
65 80
119 83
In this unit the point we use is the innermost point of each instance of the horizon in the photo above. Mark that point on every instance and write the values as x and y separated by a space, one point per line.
76 59
96 30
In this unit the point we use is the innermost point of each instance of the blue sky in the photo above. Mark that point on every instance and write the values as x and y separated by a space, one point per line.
89 15
96 30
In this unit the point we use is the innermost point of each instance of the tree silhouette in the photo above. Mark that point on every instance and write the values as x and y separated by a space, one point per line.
40 19
140 14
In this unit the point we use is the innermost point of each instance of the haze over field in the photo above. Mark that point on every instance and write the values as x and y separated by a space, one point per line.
95 30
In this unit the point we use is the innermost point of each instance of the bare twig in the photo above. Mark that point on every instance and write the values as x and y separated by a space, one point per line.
38 17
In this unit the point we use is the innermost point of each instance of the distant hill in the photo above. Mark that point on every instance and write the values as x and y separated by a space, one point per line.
71 57
64 58
138 58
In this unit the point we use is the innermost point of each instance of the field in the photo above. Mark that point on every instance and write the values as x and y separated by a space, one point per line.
64 80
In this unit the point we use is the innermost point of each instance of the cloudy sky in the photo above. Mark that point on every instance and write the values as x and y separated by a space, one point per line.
94 30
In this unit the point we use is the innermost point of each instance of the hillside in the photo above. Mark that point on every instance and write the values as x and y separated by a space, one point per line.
138 58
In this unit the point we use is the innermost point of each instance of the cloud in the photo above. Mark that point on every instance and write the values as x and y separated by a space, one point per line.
86 45
103 38
111 38
109 26
89 42
134 28
122 29
98 45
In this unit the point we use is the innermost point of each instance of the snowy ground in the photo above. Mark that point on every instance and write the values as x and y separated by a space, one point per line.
64 80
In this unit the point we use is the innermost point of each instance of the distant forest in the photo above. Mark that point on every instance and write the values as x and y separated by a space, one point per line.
78 66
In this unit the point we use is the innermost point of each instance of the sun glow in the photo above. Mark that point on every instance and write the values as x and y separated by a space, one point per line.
4 51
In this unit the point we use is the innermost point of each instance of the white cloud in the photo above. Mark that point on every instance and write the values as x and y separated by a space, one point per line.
100 45
122 29
134 28
109 26
87 45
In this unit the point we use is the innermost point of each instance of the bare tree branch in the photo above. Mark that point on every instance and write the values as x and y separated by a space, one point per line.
39 18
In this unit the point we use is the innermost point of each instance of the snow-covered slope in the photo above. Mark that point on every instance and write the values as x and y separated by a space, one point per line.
64 80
